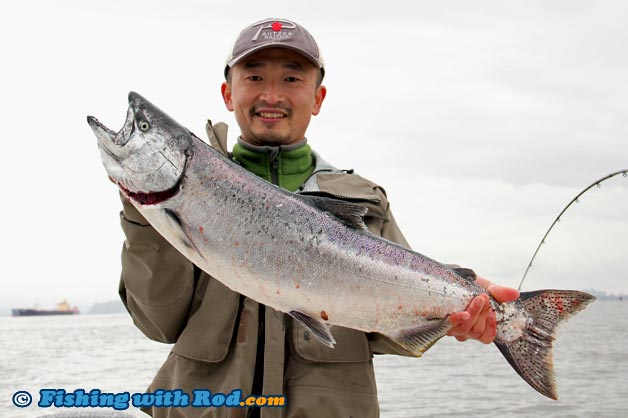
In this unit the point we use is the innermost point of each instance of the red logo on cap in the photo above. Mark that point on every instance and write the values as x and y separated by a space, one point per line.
276 26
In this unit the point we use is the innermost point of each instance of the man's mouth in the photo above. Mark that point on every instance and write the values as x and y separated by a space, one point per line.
270 115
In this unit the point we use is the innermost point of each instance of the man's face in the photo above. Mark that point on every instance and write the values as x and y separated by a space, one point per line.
274 94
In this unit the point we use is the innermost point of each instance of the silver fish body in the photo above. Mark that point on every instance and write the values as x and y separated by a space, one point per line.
308 256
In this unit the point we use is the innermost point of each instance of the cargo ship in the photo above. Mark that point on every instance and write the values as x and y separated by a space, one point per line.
63 308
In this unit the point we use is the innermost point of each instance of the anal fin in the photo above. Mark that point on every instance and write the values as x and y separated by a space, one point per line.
419 339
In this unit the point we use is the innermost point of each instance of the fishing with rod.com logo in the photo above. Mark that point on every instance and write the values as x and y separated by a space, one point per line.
95 398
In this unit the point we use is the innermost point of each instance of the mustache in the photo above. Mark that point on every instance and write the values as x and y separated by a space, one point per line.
266 106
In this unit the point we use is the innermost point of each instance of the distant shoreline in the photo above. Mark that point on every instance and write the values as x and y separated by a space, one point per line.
110 307
116 306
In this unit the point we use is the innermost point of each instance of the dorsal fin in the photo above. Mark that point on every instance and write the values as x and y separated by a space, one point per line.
348 213
467 274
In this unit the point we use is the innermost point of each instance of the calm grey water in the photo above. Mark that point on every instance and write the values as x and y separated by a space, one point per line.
452 380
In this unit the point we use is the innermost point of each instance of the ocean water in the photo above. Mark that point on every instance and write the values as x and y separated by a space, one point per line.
452 379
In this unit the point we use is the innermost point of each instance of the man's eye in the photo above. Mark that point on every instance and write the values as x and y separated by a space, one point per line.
292 79
255 78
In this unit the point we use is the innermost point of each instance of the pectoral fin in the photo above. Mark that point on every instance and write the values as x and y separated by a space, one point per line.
318 328
175 226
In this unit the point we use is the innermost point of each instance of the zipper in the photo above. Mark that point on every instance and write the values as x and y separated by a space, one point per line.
274 171
273 158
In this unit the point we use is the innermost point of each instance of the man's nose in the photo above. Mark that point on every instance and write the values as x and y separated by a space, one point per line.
272 93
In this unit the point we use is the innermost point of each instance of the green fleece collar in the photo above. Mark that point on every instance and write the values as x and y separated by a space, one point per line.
287 166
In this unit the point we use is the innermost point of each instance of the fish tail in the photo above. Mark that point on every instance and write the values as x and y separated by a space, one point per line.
531 353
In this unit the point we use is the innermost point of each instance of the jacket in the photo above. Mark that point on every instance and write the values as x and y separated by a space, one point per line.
215 330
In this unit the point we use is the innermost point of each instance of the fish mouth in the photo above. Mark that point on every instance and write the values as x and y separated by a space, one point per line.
96 124
105 137
127 178
151 198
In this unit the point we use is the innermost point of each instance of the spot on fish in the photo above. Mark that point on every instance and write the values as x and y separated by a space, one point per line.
201 229
278 292
400 307
324 315
560 305
236 244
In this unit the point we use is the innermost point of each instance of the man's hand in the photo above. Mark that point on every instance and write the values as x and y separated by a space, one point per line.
478 321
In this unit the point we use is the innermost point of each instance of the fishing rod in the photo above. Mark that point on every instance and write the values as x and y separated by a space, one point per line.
574 200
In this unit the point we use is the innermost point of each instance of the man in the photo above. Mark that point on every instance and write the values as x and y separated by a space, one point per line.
225 341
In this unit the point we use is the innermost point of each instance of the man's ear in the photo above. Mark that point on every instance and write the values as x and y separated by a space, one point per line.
225 89
321 92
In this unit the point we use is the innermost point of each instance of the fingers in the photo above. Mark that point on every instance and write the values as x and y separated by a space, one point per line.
500 293
477 322
455 320
490 328
484 283
504 294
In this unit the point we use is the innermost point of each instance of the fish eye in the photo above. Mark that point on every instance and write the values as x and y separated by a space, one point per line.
144 126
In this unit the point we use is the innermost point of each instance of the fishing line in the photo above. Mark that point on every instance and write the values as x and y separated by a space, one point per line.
574 200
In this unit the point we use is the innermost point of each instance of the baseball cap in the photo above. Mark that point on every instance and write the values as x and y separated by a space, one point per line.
275 33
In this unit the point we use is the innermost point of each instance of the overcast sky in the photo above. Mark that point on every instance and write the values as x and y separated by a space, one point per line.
481 119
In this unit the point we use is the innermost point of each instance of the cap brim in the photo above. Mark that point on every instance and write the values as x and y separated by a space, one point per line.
234 60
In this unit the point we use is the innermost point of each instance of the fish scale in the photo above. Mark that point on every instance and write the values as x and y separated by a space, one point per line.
309 256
